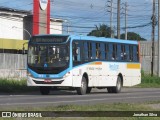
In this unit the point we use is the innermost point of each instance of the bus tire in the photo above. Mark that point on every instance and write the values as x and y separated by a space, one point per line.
110 89
83 89
44 90
88 89
118 87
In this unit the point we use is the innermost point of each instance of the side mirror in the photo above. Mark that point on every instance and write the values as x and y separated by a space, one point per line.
76 51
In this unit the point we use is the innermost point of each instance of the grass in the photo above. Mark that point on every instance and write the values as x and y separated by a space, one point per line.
11 86
150 82
98 107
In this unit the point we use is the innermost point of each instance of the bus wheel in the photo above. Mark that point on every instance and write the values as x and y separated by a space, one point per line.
88 89
44 90
82 90
118 87
110 89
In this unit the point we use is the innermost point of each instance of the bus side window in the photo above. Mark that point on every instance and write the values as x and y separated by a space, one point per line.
114 53
76 52
119 52
98 51
85 51
106 51
123 52
126 57
110 51
93 51
89 51
130 53
102 51
135 54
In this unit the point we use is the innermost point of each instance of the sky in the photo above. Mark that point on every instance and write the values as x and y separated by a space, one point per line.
83 15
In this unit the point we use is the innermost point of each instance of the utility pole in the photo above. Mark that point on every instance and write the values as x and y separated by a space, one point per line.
118 18
126 21
158 38
110 6
153 36
111 18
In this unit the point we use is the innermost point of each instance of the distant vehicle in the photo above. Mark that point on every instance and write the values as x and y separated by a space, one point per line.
82 63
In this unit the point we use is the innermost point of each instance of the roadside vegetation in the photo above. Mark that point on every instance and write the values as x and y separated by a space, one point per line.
13 86
148 81
98 107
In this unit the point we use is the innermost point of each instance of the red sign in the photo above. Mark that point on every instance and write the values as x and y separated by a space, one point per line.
41 17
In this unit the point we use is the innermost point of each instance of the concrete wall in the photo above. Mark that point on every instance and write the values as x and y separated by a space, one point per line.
146 56
13 65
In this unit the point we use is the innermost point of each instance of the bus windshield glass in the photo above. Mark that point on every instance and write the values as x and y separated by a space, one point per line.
48 55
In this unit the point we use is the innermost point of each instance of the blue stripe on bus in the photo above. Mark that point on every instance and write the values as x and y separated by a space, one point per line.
45 76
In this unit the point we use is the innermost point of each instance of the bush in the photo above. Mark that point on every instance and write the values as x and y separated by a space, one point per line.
15 86
149 81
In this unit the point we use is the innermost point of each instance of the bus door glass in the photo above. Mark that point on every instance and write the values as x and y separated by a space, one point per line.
76 53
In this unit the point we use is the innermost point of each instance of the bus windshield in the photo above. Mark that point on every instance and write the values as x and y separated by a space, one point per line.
48 55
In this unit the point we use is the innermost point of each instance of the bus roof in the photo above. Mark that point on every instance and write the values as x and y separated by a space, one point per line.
92 38
102 39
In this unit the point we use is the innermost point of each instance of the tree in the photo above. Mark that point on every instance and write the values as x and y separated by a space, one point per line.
101 31
104 31
132 36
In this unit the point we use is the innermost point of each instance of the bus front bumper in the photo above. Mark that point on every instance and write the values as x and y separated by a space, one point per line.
49 82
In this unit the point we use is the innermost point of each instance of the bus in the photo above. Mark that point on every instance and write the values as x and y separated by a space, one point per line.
82 63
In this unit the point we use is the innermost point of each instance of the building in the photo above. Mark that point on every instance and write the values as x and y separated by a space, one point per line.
17 24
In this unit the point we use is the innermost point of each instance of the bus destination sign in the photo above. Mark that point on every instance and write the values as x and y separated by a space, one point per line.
49 39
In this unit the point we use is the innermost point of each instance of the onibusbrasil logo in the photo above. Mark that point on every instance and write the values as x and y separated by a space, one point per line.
43 4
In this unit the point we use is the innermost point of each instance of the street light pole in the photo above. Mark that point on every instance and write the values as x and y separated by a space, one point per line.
23 29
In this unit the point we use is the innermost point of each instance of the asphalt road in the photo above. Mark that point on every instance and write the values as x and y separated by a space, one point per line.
128 95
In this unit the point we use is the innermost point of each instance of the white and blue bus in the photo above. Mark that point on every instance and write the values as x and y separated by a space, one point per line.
82 63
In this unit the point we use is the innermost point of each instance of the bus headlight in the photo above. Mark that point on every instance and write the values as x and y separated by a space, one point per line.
29 74
67 74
